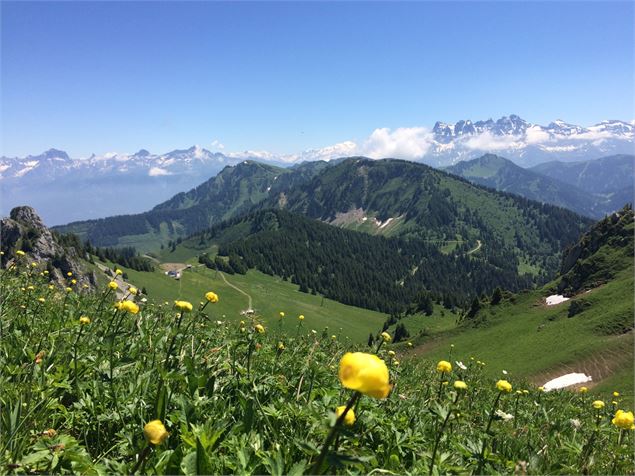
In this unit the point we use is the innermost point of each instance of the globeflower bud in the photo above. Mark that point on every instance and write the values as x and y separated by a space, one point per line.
624 420
444 366
598 404
365 373
349 419
155 432
211 297
183 306
504 386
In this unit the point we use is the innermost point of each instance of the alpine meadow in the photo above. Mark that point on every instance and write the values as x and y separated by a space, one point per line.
345 274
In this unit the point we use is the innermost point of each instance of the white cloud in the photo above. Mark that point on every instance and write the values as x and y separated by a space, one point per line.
490 142
157 172
536 135
403 142
216 144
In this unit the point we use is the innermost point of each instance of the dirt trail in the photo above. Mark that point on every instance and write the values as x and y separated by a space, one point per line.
478 247
249 305
123 285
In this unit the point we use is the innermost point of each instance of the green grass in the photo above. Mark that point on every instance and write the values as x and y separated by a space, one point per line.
77 398
531 340
270 295
441 320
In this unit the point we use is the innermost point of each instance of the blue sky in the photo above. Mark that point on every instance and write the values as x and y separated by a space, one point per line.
283 77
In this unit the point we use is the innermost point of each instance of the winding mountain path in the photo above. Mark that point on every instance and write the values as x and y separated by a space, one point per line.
249 306
478 247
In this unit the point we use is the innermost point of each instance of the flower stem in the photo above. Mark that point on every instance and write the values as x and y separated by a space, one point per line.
316 468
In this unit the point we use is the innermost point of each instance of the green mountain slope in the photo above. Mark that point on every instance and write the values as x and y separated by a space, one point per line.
400 198
376 272
502 174
232 191
604 176
590 333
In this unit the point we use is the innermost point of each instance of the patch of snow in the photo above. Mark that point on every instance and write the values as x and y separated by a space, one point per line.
30 165
566 381
556 299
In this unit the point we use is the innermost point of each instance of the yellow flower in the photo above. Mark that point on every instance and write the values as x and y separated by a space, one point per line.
84 320
42 300
583 390
386 336
598 404
69 274
112 285
504 386
349 419
624 420
34 265
132 290
281 314
444 366
68 290
391 353
73 281
51 286
616 394
280 346
118 272
409 344
30 288
183 306
211 297
541 389
365 373
127 306
259 328
300 317
155 432
20 253
396 363
525 392
333 337
45 272
460 385
614 403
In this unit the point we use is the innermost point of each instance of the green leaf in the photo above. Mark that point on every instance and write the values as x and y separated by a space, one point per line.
203 465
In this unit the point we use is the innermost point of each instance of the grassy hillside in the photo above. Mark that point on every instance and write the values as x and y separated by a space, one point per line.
269 296
91 389
502 174
590 333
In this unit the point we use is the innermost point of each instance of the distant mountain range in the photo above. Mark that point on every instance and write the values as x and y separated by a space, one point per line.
526 143
65 189
593 188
